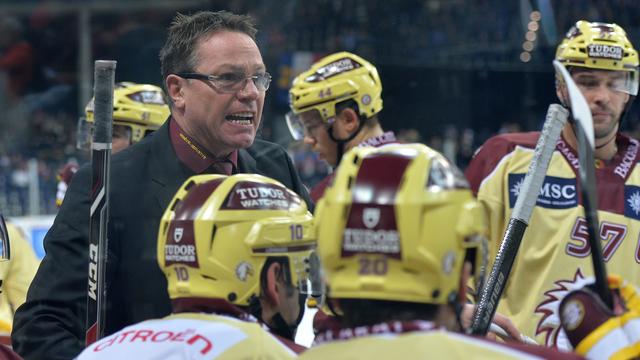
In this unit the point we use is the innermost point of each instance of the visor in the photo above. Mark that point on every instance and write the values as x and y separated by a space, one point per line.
306 274
296 128
630 84
621 81
306 123
84 132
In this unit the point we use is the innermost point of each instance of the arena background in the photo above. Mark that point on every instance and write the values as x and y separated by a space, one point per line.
454 72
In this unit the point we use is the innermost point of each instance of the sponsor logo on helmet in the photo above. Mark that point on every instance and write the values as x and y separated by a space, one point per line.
177 234
180 247
555 193
248 195
244 270
371 217
371 230
333 69
602 51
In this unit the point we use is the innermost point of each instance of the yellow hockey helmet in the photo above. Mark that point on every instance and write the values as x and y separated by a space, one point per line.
219 231
601 46
331 80
398 234
139 107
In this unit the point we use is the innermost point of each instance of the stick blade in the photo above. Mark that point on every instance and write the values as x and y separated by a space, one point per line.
579 107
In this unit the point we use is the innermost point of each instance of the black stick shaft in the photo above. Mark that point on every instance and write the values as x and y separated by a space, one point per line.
590 204
492 291
104 77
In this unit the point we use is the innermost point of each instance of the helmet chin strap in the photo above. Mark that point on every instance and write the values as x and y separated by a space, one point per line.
340 143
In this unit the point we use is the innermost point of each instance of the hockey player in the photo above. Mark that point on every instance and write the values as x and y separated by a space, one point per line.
554 256
138 110
15 276
235 251
397 248
335 106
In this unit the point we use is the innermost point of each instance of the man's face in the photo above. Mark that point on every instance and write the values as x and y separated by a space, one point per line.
317 137
221 121
606 101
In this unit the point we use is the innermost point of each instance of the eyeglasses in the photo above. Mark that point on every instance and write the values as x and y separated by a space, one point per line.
231 82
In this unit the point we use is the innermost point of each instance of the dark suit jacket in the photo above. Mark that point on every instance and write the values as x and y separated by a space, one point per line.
144 179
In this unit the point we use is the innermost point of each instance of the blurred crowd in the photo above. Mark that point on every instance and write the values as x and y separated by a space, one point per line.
39 81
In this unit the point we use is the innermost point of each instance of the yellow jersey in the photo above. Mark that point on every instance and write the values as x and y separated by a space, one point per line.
554 256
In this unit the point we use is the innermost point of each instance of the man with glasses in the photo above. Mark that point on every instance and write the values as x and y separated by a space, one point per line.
554 257
215 80
334 107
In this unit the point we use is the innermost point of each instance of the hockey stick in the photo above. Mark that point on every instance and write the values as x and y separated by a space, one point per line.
104 75
492 291
5 245
586 144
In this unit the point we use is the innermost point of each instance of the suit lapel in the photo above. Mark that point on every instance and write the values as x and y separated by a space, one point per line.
166 172
246 162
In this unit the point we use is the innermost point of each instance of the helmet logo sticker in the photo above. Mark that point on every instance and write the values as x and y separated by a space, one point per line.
248 195
371 217
366 99
177 234
604 51
448 262
180 248
371 230
244 270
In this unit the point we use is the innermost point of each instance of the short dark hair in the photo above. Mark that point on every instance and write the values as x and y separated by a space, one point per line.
179 51
359 312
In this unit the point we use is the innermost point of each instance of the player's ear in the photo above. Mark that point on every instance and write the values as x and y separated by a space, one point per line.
273 287
350 119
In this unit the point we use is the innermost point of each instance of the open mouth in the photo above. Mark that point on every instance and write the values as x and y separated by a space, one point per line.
243 118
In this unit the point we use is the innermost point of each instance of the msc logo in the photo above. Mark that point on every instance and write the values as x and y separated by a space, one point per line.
556 193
